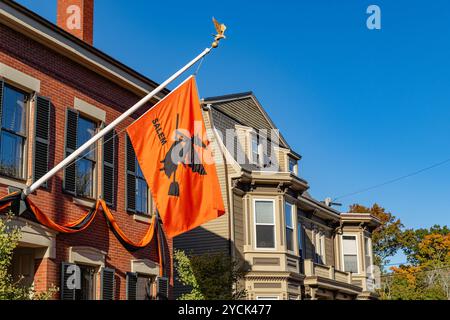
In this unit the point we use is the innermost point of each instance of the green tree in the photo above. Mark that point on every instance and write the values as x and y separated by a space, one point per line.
387 238
412 238
211 276
10 290
427 277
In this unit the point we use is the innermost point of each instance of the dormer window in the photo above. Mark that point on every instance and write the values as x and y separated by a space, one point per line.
293 166
259 150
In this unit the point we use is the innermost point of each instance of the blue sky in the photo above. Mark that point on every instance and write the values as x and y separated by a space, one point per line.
362 106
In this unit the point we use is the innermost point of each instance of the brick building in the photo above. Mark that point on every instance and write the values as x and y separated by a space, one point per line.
56 90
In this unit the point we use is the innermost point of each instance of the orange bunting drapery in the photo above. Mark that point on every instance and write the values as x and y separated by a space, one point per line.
66 228
86 220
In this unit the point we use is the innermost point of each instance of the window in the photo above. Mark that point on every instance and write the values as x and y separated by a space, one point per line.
288 211
85 166
13 132
368 251
145 288
87 290
255 149
320 248
300 240
265 224
137 188
293 166
350 253
141 191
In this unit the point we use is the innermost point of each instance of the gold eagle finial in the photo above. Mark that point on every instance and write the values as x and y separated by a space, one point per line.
220 28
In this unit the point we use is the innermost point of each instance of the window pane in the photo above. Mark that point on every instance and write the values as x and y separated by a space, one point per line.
264 212
85 178
139 173
141 196
349 244
11 155
265 237
300 237
255 152
86 130
14 114
292 164
144 288
351 263
288 214
290 239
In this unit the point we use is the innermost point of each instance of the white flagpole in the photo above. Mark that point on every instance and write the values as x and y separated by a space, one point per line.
113 124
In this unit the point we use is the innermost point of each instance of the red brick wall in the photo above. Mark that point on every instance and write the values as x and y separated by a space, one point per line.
62 80
65 19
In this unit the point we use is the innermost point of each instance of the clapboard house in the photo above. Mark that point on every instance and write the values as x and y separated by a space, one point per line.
291 245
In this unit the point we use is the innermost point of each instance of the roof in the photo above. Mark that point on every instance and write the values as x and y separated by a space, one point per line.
32 24
245 110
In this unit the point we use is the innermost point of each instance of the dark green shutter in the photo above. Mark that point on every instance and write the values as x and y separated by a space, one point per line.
132 279
66 293
162 288
71 146
108 168
42 137
107 284
130 177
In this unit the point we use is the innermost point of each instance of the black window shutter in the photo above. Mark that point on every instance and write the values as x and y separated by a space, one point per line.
108 168
162 288
132 279
107 284
130 177
42 137
71 145
66 293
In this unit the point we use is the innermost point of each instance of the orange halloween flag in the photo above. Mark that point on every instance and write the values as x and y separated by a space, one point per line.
176 159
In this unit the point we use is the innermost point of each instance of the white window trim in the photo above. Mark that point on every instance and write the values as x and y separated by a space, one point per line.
274 225
356 235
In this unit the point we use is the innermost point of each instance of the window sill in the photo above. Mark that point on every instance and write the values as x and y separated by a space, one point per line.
88 203
142 218
11 182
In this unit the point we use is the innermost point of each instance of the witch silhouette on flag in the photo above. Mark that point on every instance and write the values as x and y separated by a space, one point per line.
182 152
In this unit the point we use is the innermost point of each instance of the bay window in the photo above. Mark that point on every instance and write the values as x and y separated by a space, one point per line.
264 224
350 253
